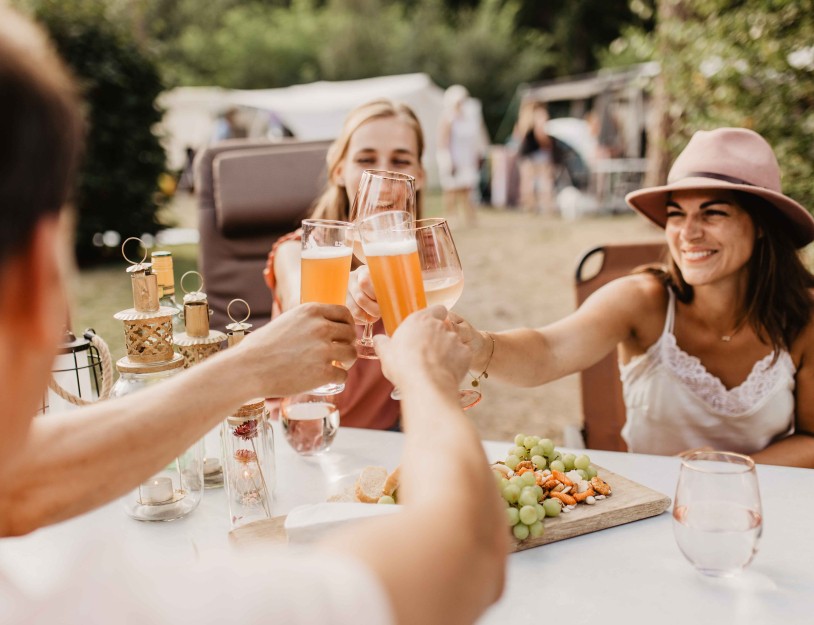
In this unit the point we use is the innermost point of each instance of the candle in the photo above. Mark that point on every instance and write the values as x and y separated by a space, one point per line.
211 465
156 490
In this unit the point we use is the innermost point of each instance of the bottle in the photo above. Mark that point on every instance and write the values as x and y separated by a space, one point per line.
163 268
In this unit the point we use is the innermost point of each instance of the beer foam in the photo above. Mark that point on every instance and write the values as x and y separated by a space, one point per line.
320 253
390 248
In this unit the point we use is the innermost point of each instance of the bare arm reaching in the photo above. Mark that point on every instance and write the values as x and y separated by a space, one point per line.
449 537
65 455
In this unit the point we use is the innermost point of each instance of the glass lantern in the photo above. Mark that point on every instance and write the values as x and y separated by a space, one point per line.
249 466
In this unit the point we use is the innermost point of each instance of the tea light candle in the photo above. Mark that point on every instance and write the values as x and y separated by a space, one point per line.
156 490
211 465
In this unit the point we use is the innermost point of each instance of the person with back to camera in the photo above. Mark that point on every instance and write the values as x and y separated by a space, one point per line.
461 147
539 156
380 134
717 348
58 466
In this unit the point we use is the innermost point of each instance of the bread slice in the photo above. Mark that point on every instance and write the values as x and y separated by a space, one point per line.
370 485
392 482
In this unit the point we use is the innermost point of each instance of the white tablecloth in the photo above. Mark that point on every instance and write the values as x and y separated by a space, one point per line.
627 575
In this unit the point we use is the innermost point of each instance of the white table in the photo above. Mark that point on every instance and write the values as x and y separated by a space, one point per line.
626 575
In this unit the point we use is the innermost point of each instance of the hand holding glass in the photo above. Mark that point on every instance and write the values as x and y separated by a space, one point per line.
379 191
327 250
717 516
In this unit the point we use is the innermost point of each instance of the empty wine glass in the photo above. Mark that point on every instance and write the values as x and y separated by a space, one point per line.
442 274
379 191
717 515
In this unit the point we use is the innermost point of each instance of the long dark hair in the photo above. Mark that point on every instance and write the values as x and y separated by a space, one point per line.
778 297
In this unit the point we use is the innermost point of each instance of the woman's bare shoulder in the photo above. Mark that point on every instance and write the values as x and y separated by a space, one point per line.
639 289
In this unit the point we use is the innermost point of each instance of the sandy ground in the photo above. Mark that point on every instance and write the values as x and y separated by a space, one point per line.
520 272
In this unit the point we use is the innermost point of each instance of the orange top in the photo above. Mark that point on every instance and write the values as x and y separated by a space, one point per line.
365 402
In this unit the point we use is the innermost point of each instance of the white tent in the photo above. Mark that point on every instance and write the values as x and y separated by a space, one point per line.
312 111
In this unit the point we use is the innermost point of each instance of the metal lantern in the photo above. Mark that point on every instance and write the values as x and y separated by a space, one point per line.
237 329
177 489
81 373
197 342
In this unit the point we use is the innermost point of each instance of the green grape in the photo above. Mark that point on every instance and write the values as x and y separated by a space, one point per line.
528 478
512 462
513 515
518 440
500 477
536 529
583 462
557 465
386 499
511 493
527 497
539 461
520 531
568 461
548 446
537 491
591 471
530 441
519 451
540 511
552 507
554 455
528 515
583 473
517 480
537 450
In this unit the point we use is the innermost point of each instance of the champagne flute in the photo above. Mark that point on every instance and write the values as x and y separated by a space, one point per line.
379 191
717 518
442 275
327 250
389 243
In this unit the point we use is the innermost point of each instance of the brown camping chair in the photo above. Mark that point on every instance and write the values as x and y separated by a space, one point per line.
603 407
249 194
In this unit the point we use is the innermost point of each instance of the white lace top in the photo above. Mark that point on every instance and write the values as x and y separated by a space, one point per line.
673 403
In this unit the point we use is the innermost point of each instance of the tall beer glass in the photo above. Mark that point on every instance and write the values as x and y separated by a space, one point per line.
327 250
379 191
389 243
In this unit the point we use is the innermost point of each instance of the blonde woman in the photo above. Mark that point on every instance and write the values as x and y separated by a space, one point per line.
377 135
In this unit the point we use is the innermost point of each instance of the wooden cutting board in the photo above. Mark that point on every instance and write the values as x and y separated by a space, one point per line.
629 502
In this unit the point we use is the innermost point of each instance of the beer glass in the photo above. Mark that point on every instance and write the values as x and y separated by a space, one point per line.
379 191
717 518
327 250
442 275
389 244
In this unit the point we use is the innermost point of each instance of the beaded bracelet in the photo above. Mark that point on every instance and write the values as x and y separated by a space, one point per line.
484 375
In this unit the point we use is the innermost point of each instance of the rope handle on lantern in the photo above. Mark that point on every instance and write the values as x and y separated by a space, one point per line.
107 373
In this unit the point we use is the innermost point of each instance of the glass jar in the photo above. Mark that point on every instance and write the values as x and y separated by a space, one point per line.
176 490
249 464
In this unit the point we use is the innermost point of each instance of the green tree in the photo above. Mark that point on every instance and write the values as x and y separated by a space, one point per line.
118 185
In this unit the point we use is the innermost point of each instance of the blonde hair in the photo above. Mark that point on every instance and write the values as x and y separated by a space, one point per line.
333 203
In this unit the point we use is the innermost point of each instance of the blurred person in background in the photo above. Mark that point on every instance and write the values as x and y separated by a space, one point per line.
539 156
462 147
382 571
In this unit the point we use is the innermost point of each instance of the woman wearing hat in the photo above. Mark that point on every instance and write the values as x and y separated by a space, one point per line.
717 347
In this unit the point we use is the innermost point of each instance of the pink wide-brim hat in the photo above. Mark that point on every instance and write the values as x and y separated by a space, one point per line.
736 159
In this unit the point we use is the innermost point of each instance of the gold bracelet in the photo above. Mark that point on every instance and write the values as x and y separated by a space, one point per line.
484 375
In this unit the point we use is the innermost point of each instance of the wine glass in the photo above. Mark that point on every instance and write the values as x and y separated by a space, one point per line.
389 243
442 275
379 191
717 518
327 249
